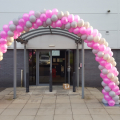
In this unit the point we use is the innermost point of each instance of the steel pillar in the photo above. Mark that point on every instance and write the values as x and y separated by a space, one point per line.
77 66
50 81
69 66
24 65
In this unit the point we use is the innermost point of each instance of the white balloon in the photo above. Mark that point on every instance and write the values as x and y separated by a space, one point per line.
74 24
107 89
101 67
15 21
96 39
117 83
112 94
43 11
10 39
105 71
104 101
84 37
37 14
68 25
54 18
103 84
102 41
66 14
10 34
100 54
110 75
106 56
90 38
116 98
32 18
86 24
1 54
28 24
95 51
12 27
48 21
1 58
80 23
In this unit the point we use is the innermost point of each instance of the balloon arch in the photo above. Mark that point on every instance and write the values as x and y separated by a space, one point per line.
94 40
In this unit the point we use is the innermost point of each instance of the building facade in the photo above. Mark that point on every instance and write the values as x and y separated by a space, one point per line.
103 15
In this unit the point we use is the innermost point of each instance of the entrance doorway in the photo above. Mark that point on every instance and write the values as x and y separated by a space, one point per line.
41 61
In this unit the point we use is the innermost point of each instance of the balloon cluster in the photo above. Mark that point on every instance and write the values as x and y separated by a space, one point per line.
73 24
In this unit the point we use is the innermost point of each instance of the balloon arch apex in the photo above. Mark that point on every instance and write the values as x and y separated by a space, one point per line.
73 23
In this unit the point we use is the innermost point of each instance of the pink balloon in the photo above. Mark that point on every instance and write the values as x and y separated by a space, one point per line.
48 13
4 51
107 97
3 41
116 88
55 11
118 92
108 65
39 22
83 30
76 18
111 53
3 47
102 75
53 25
11 22
26 17
111 85
71 30
6 28
76 30
104 92
103 62
90 44
71 18
3 34
89 31
86 41
19 28
99 34
96 46
43 17
64 20
15 36
106 80
31 13
95 32
21 22
34 25
111 102
102 47
58 23
98 58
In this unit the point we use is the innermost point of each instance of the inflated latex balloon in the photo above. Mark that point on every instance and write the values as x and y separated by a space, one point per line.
95 46
67 26
101 67
94 51
34 25
104 101
48 13
58 23
80 23
6 28
107 97
83 37
102 41
19 28
54 18
100 54
43 11
37 14
64 20
103 62
3 34
28 24
110 75
111 85
60 14
112 94
90 38
117 102
100 35
108 66
106 80
12 27
86 24
74 24
79 34
3 41
106 44
1 58
115 89
48 21
86 41
10 33
1 54
102 47
76 18
26 29
31 13
21 22
32 18
39 22
26 17
44 24
106 56
117 82
111 102
107 89
43 17
71 18
76 31
96 39
55 11
9 43
90 44
104 92
97 58
71 30
53 25
83 30
116 98
89 31
63 26
15 21
102 75
103 84
95 32
66 14
118 92
11 22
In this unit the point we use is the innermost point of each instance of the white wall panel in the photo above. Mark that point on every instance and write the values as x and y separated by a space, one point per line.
74 6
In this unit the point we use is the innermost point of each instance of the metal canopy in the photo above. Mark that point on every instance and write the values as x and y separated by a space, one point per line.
25 37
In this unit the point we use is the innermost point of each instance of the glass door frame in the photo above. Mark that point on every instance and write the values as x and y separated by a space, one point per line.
37 66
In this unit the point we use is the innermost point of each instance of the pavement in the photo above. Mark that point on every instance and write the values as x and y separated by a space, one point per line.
40 104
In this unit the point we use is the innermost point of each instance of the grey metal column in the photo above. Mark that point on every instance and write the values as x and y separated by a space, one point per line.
65 66
77 70
15 69
83 69
69 66
24 65
50 82
37 67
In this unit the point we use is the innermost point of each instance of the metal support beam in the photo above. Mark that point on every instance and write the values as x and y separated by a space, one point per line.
83 70
15 69
74 82
65 66
77 69
50 81
69 66
37 67
24 65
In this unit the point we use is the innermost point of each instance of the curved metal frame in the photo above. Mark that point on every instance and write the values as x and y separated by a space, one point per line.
25 37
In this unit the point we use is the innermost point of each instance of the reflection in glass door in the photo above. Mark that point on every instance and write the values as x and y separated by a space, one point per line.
44 67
